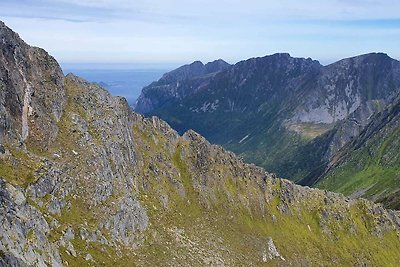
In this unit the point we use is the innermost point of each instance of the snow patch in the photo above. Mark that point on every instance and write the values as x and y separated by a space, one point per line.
244 138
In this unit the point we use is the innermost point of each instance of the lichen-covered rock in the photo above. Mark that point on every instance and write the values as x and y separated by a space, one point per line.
23 231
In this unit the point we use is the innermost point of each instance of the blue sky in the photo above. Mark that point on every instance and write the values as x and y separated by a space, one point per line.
175 31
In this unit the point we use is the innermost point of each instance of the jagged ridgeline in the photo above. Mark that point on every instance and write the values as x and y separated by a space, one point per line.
85 181
289 115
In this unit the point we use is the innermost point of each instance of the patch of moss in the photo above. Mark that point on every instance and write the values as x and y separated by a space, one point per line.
20 167
30 236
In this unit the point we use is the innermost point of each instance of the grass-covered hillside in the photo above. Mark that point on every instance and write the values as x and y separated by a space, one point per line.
370 165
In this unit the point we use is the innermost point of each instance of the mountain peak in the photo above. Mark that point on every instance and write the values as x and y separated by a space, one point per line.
215 66
34 106
193 69
282 55
373 57
170 85
195 63
9 35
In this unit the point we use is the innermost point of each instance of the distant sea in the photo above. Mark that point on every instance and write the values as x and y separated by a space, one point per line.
119 82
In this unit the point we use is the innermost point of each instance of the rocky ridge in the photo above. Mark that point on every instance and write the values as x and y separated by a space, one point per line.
288 115
93 183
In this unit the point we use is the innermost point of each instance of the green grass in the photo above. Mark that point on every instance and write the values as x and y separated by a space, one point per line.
373 169
244 231
20 167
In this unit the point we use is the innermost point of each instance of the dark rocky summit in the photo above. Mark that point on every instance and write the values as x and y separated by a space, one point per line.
178 84
85 181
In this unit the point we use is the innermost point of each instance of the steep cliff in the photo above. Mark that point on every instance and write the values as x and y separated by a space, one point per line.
32 90
103 186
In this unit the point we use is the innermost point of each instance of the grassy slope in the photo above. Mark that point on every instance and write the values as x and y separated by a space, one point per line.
242 233
371 167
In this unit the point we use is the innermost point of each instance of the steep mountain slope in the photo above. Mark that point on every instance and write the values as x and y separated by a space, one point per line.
369 166
275 110
87 182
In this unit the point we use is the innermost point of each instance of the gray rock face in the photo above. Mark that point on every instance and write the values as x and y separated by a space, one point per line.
372 155
345 86
96 170
23 231
348 93
351 126
177 84
33 102
271 252
32 91
130 218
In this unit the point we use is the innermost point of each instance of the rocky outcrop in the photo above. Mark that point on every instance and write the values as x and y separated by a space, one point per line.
32 91
348 84
111 187
23 231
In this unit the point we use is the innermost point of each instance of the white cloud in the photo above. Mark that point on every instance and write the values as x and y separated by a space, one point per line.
182 31
311 9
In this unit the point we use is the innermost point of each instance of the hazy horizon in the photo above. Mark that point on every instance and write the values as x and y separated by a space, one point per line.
163 66
118 66
175 32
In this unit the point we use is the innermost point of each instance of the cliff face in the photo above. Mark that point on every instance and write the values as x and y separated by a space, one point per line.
178 84
347 94
32 90
348 84
102 185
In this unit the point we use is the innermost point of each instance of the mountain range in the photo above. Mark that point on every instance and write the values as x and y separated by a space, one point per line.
292 116
85 181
